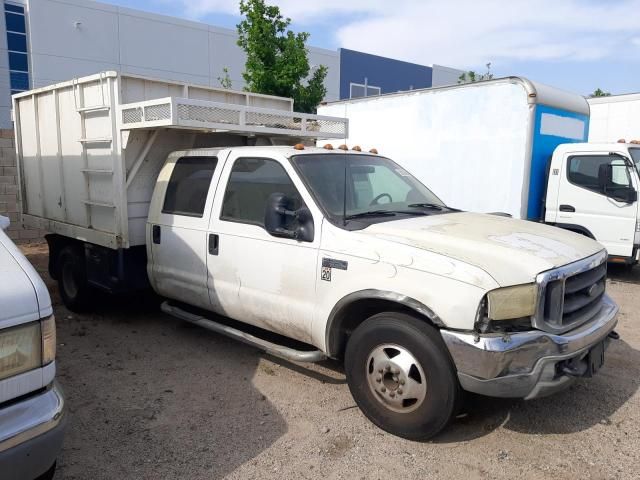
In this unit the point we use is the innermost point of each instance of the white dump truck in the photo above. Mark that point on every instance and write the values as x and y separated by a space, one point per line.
514 146
302 251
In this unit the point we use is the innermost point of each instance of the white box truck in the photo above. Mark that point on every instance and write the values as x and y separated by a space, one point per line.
508 145
305 252
613 118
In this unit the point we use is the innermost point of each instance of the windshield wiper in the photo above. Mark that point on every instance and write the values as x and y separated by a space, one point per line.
370 213
434 206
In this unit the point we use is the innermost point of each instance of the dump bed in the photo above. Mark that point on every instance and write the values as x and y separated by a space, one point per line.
89 150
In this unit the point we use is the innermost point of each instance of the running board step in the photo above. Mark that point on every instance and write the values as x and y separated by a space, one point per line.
272 348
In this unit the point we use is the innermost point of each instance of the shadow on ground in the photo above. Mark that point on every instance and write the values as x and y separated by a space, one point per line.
623 273
153 397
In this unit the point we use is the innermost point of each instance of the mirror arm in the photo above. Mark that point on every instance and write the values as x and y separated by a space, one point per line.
287 213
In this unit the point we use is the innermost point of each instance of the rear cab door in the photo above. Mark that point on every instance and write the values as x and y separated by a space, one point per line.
177 225
602 210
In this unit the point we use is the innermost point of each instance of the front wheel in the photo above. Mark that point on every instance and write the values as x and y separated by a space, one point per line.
401 375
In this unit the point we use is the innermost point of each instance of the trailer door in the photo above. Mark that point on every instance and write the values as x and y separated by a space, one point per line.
177 228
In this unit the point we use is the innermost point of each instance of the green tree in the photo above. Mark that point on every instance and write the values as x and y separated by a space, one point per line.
225 78
472 77
599 93
277 58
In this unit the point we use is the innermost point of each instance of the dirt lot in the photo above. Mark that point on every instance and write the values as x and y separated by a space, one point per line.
153 398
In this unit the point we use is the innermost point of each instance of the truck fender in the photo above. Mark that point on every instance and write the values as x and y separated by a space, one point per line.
575 228
354 308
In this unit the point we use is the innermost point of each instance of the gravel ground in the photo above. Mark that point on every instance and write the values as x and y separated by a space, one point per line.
151 397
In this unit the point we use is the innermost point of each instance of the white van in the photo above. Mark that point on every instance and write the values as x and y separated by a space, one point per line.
32 407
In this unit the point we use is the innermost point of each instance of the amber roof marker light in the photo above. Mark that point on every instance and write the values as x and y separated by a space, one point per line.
328 146
374 151
343 147
298 146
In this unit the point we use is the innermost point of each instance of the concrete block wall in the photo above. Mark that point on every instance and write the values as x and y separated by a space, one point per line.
9 191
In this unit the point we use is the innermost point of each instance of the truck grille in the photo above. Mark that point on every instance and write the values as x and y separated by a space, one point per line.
571 295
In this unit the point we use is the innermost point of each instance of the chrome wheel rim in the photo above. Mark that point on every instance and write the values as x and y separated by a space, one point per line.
396 378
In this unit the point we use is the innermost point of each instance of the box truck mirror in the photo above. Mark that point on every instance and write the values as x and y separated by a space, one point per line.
605 177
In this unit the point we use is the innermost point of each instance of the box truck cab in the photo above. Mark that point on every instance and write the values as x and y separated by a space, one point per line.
508 145
308 253
592 189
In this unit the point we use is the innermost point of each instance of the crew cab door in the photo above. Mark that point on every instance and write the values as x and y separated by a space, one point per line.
177 227
255 277
606 208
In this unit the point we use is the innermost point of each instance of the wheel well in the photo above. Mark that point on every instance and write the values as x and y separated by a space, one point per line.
57 243
343 322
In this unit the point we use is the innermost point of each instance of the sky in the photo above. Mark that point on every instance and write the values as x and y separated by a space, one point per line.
578 45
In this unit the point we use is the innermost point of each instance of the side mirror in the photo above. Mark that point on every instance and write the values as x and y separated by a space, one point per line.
629 195
605 177
281 221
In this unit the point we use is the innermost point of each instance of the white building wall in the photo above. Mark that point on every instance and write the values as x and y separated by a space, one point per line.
442 76
71 38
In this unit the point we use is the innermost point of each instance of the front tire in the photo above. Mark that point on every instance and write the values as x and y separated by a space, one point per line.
72 280
401 375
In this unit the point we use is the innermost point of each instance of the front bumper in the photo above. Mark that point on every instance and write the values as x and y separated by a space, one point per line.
525 365
31 432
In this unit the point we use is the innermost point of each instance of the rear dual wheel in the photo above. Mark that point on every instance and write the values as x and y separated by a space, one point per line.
75 291
401 375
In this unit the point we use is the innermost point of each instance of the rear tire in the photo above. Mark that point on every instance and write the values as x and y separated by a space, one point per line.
72 280
401 375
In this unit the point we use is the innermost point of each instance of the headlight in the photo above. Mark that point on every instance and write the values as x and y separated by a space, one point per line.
513 302
20 349
48 340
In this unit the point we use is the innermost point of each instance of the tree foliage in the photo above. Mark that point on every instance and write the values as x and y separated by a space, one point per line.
225 79
277 58
472 77
598 92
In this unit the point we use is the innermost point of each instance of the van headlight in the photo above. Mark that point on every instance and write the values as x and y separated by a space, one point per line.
509 303
20 349
27 347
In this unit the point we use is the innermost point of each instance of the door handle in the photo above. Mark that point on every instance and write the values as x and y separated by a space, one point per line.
214 243
567 208
155 234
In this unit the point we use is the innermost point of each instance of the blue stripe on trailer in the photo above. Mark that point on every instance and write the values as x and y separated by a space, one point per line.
553 126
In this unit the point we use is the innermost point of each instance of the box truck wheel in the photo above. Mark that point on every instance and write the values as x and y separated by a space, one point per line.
401 375
72 280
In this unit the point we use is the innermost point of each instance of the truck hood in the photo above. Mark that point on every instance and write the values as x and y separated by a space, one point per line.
23 295
511 251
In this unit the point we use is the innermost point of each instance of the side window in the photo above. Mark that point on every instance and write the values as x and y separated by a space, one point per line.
583 172
251 182
189 185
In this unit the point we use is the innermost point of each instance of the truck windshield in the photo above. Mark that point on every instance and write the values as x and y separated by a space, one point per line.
376 188
635 155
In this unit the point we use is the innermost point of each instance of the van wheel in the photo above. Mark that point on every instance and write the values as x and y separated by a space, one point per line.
72 280
401 375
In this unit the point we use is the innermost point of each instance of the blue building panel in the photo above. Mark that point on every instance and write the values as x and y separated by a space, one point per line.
386 74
